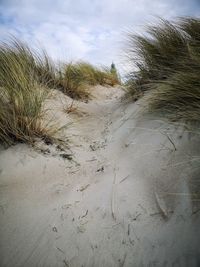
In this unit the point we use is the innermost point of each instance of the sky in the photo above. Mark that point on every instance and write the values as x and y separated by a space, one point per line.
91 30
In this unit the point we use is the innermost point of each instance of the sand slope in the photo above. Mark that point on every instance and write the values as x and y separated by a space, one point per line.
128 197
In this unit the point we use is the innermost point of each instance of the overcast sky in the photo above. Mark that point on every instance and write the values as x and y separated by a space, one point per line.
91 30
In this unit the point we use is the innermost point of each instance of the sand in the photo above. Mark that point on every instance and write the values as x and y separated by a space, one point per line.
128 197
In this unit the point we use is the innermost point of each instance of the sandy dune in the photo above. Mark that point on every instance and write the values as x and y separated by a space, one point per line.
128 197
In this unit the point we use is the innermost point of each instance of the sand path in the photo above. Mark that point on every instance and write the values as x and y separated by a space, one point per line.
126 199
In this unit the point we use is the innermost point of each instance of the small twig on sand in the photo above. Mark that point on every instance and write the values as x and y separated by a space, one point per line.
66 264
161 206
124 179
84 187
195 212
128 232
60 250
175 149
100 169
85 214
121 263
135 218
113 197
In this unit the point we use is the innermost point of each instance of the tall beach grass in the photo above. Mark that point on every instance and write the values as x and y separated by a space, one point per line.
167 62
26 77
76 78
22 92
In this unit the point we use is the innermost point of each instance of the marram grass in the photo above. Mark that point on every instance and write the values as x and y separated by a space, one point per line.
26 77
168 66
77 78
22 93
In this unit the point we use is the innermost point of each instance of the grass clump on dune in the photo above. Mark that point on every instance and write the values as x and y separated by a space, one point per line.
73 82
168 64
76 78
22 93
25 79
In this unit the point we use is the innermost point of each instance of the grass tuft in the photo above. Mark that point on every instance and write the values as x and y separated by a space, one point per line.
22 93
25 79
167 58
76 78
